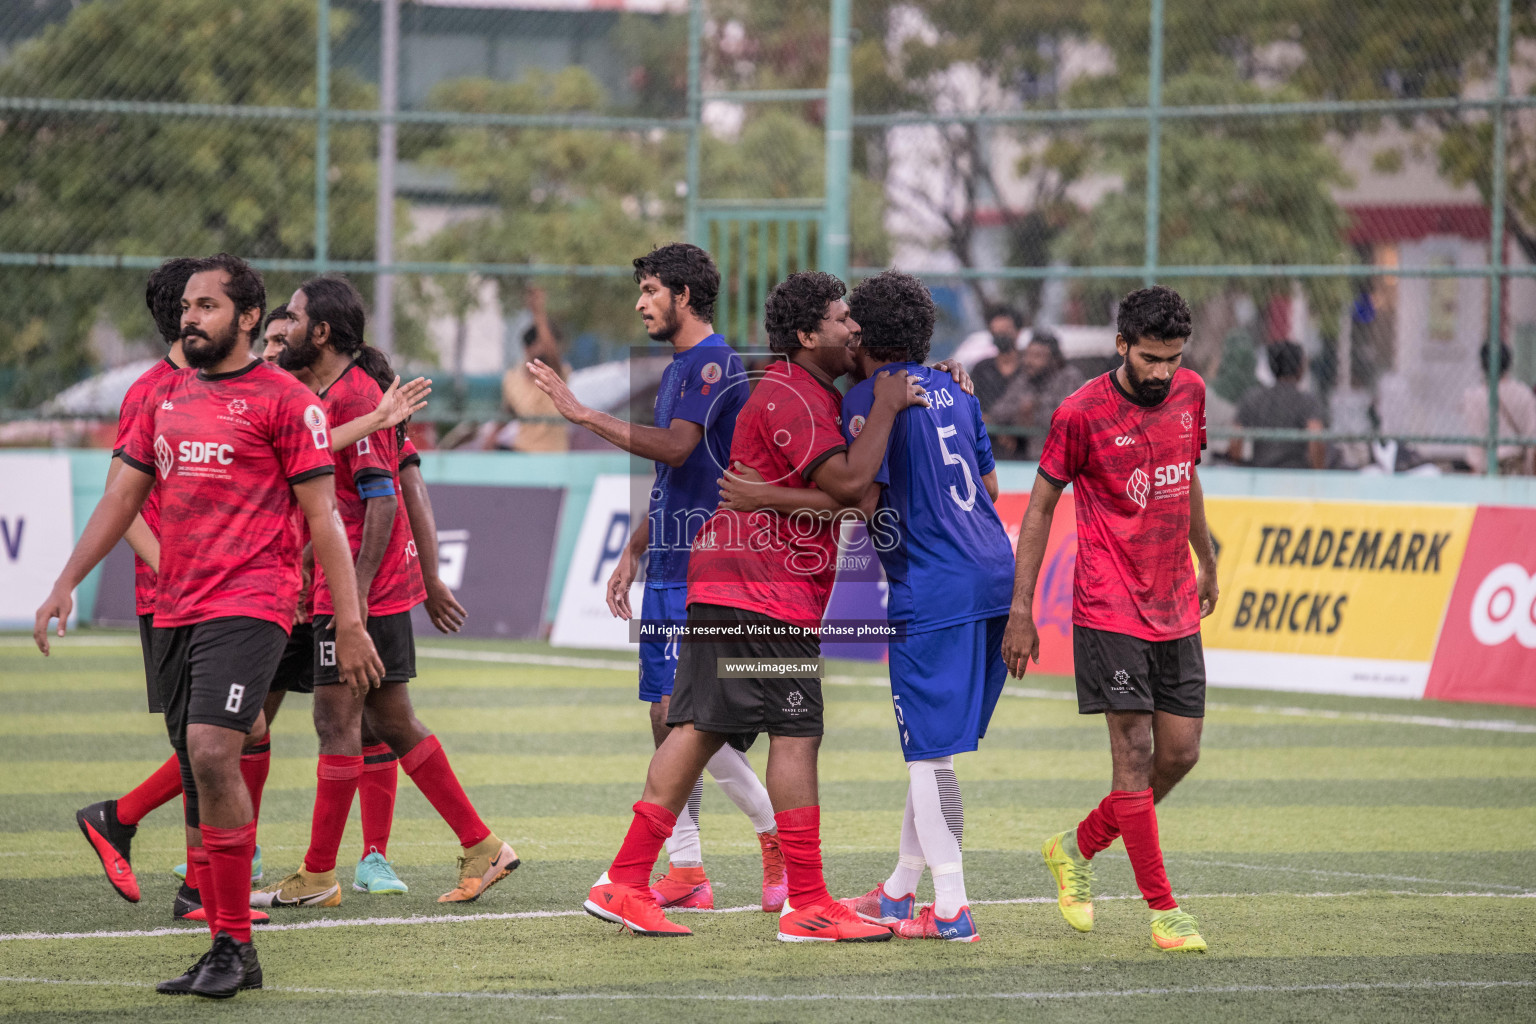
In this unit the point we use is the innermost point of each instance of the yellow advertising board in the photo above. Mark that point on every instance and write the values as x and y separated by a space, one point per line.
1353 580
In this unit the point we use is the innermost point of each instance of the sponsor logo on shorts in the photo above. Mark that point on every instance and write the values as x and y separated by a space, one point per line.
1122 683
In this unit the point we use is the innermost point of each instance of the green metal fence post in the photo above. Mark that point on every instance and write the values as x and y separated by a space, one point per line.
1154 142
835 221
322 133
1496 245
692 227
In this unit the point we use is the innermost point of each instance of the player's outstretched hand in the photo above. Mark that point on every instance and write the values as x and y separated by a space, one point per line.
897 389
619 583
1205 586
555 387
357 661
739 488
1021 644
57 606
402 401
957 371
443 608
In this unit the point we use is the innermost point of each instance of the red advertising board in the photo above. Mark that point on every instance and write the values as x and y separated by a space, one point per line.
1053 590
1487 648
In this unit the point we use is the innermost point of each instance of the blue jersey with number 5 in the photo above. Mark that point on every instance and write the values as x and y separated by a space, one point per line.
938 536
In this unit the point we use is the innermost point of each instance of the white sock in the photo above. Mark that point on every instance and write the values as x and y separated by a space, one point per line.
910 862
683 850
940 819
733 773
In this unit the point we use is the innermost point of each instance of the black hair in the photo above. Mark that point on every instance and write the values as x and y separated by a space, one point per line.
678 266
278 313
1052 343
1157 313
162 294
993 312
798 303
896 315
336 302
245 288
1485 355
1285 360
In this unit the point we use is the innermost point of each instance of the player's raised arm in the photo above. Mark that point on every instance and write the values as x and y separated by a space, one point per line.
671 444
357 662
445 611
846 476
1021 642
125 494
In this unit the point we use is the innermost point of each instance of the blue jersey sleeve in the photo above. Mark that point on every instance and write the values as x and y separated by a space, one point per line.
705 379
856 405
984 460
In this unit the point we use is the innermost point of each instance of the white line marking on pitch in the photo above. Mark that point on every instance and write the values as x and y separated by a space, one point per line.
817 997
528 915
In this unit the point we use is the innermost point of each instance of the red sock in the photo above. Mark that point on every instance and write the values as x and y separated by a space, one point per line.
651 828
1138 826
254 765
229 863
1099 829
800 840
198 869
336 784
163 784
376 793
428 767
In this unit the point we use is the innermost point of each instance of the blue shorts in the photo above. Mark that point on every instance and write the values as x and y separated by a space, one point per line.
945 684
658 658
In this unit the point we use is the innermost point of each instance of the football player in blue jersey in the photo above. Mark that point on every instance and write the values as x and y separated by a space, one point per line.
700 394
950 568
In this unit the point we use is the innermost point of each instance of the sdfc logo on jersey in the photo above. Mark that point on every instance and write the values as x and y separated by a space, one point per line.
1139 487
164 458
314 419
711 373
856 426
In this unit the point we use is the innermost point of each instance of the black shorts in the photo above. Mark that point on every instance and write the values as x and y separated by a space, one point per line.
1116 672
215 673
392 636
296 671
743 706
147 644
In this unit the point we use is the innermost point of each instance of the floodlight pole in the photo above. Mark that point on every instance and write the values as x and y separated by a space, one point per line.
1154 144
322 133
1495 337
384 214
692 226
834 241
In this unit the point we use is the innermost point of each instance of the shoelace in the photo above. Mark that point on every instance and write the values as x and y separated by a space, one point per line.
1080 882
1180 924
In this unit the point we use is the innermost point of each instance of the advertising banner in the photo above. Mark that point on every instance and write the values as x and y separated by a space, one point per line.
1335 597
1487 649
1053 589
582 618
494 550
37 532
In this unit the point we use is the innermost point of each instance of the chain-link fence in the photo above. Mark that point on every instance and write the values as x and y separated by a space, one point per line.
1356 178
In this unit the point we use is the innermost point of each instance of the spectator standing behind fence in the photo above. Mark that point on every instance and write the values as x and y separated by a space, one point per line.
992 375
1517 418
521 397
1043 382
1284 405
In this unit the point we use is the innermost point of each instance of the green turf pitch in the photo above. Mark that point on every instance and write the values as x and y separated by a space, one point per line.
1348 860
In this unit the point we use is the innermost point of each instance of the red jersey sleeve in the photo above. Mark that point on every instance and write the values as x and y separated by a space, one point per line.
1200 418
1066 447
136 427
300 435
128 414
409 456
368 457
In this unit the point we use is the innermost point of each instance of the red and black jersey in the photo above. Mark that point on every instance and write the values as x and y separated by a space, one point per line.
225 450
781 566
127 414
1131 466
367 469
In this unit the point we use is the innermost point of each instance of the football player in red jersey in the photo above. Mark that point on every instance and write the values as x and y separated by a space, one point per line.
1129 443
325 337
233 445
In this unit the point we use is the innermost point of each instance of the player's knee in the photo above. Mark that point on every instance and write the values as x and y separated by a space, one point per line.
1178 761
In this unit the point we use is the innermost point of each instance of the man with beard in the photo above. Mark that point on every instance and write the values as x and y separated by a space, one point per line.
233 445
325 337
697 401
1129 442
